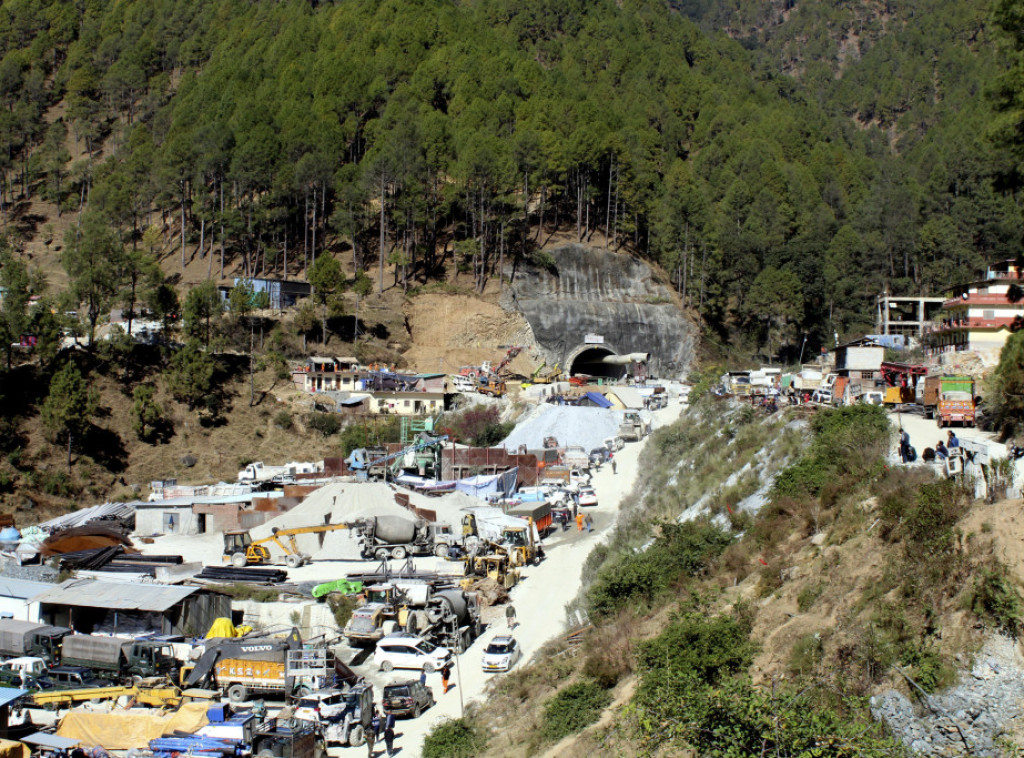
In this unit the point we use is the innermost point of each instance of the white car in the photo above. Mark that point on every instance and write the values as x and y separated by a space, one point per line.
501 654
409 652
587 496
322 705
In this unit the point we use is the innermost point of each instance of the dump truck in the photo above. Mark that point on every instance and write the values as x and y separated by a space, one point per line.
118 658
397 537
259 665
950 400
258 471
576 456
24 638
490 385
634 427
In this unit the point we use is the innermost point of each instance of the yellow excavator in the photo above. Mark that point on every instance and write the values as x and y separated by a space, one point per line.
241 550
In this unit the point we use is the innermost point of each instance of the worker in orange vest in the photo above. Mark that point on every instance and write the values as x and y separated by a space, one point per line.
579 522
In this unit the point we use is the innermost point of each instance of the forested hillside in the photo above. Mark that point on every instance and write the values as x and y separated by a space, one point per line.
783 161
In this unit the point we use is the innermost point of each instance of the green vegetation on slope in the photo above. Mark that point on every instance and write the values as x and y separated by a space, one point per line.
425 134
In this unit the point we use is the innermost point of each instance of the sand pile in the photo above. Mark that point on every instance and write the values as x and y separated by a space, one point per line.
570 425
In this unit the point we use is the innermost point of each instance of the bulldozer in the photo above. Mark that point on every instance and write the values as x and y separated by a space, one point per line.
241 550
495 565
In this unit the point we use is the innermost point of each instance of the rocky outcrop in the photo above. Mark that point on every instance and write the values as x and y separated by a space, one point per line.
596 291
967 720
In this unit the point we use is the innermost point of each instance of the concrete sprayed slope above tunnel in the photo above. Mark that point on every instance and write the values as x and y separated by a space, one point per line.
593 291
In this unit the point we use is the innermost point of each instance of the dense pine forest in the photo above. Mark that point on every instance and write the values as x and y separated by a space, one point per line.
783 161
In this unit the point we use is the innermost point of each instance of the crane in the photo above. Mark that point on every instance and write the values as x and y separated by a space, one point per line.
241 550
513 351
360 462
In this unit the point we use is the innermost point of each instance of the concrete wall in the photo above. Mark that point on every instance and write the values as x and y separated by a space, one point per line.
19 608
168 520
313 618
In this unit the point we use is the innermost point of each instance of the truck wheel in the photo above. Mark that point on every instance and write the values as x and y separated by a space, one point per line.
399 553
266 753
386 666
428 668
356 736
293 561
237 693
441 551
416 711
238 560
381 553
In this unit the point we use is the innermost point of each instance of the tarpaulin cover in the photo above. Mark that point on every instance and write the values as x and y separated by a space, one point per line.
132 729
222 627
344 586
10 749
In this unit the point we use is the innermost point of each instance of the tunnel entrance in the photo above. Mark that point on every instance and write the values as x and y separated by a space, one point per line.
588 361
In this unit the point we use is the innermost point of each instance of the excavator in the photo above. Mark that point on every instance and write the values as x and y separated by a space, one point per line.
241 550
539 376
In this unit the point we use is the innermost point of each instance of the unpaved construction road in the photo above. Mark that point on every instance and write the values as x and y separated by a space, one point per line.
539 600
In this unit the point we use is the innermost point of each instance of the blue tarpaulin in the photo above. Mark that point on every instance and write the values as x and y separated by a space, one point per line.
598 399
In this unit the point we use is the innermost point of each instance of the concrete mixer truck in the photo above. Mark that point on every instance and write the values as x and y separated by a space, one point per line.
397 537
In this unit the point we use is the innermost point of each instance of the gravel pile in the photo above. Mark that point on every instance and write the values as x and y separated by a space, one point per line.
570 425
968 719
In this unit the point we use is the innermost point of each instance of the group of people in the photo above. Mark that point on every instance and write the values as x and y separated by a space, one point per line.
940 452
584 520
378 726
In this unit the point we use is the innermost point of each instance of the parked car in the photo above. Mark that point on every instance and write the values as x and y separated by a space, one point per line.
615 444
501 654
599 456
409 652
74 678
322 705
408 698
587 496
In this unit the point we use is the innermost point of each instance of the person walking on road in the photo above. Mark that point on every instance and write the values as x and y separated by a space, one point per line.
904 445
579 522
371 733
389 734
589 521
614 467
446 673
510 616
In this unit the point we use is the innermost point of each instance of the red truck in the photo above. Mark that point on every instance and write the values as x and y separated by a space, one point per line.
950 400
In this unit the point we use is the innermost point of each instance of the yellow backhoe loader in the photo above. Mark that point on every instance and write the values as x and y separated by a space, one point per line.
241 550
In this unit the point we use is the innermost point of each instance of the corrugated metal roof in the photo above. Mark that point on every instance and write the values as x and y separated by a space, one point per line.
78 518
21 588
176 502
91 593
42 739
8 695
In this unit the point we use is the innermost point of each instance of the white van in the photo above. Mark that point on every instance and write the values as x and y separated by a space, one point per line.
460 383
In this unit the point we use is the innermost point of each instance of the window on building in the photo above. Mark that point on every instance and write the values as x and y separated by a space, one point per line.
406 403
988 314
982 290
867 374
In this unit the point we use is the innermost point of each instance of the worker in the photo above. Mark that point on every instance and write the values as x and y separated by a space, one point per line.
510 616
904 445
371 733
614 467
952 441
446 675
941 453
589 521
389 733
579 522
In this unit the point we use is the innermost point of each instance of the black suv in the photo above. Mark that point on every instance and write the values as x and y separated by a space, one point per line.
408 698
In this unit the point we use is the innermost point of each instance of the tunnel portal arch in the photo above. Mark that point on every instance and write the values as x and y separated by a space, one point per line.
587 359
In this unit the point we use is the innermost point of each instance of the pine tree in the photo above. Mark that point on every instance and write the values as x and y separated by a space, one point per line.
68 410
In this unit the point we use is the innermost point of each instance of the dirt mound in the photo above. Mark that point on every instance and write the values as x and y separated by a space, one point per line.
449 331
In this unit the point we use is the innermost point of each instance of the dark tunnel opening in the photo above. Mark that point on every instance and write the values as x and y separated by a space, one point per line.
589 362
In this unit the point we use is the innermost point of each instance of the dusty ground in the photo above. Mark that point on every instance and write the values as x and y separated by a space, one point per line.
450 331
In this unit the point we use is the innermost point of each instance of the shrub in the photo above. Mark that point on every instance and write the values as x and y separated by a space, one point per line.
283 420
455 738
478 425
577 706
997 599
809 596
324 423
679 550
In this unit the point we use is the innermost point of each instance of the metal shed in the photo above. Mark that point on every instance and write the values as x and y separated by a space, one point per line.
88 605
